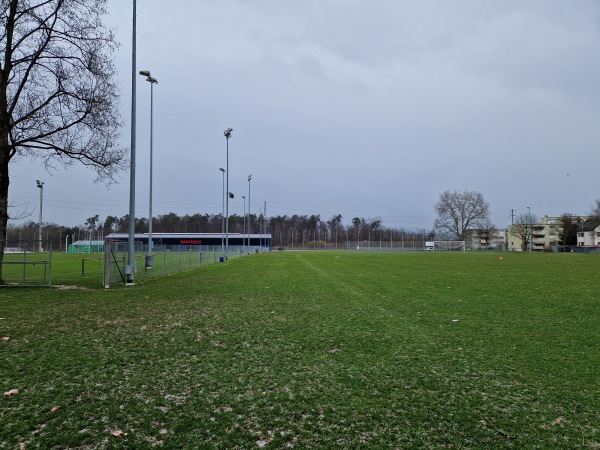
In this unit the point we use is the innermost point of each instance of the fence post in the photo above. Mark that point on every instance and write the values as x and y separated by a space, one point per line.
106 264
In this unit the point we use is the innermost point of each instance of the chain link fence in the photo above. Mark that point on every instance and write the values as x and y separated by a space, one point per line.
165 259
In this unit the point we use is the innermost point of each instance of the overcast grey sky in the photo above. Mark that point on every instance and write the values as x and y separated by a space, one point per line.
367 108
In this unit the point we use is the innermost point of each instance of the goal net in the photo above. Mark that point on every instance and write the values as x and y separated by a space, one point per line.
448 246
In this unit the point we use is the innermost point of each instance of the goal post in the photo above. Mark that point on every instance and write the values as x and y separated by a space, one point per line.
449 246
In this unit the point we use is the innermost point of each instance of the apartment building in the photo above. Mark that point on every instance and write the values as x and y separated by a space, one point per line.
543 236
477 242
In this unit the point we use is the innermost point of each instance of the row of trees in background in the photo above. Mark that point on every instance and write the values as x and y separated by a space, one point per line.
296 231
460 216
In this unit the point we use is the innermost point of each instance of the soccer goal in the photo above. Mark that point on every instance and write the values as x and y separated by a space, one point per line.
448 246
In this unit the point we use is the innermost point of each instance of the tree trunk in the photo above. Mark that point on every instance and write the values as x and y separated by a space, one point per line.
4 159
5 150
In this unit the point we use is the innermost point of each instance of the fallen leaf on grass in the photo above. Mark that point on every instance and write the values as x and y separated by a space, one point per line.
118 433
455 320
56 408
559 420
12 392
5 339
263 442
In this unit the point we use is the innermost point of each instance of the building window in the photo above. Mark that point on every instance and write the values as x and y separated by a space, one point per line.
580 234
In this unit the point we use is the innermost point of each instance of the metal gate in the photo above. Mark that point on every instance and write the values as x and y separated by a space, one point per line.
27 263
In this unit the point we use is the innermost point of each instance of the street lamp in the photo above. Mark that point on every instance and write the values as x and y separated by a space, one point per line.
227 134
152 81
223 214
40 185
249 217
244 228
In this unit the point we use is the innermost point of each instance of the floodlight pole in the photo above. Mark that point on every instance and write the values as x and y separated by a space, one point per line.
40 185
265 223
244 228
227 134
152 81
260 228
223 215
129 272
249 217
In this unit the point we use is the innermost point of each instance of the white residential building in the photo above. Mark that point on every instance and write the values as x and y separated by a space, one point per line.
589 236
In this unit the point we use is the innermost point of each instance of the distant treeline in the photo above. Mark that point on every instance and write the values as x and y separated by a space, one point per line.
296 231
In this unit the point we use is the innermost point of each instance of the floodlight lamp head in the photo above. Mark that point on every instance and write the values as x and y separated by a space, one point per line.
149 78
249 177
231 195
221 169
39 183
228 132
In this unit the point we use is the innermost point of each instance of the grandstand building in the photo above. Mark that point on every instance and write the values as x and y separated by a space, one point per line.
197 241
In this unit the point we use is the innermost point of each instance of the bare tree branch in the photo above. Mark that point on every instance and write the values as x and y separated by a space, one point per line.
58 98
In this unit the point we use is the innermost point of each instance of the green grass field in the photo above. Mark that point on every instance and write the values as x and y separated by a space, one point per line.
311 350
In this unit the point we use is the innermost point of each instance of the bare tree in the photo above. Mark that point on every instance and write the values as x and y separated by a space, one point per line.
487 231
522 228
458 212
58 100
595 210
